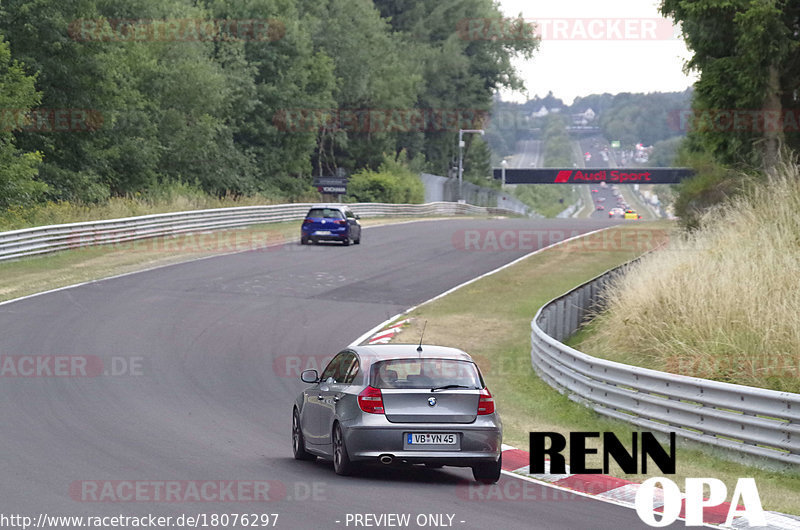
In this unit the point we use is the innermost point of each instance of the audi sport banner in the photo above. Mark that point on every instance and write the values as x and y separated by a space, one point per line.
639 175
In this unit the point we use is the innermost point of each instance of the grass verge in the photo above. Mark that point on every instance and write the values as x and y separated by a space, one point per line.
50 271
491 318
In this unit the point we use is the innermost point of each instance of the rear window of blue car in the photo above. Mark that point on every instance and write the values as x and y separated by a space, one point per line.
325 213
424 373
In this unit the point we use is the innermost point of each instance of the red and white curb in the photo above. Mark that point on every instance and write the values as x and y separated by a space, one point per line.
623 492
386 334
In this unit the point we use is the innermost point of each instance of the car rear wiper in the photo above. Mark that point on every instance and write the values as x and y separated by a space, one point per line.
447 387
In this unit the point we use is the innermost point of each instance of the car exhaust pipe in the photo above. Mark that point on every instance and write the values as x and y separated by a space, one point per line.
386 459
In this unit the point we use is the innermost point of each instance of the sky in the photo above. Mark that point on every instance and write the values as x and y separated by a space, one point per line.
591 47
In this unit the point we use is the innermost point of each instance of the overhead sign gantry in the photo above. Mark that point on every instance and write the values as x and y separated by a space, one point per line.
639 175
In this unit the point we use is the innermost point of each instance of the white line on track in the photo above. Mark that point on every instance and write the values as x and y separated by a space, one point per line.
380 326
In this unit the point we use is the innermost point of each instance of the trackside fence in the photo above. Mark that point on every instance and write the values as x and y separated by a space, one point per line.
753 421
45 239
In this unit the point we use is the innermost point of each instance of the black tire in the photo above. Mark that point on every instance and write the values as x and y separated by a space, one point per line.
341 460
298 442
346 241
489 472
303 240
357 241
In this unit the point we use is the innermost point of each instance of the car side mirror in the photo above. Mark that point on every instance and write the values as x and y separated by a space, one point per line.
309 376
357 216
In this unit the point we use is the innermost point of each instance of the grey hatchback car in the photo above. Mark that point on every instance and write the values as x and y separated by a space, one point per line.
399 403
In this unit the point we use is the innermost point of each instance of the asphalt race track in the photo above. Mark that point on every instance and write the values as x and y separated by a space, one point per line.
208 398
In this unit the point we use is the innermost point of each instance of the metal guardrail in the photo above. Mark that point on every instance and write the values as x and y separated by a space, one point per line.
754 421
45 239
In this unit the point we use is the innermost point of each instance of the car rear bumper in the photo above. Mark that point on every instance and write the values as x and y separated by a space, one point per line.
335 235
331 237
478 442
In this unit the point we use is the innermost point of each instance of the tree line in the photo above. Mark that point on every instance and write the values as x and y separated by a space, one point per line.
630 118
103 98
745 105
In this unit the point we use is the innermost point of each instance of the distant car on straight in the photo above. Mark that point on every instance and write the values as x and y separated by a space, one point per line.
631 214
399 403
330 222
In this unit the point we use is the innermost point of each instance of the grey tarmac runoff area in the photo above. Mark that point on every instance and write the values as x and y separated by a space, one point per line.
202 398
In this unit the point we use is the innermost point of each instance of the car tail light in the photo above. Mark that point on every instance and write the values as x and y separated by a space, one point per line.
371 400
307 221
485 402
341 222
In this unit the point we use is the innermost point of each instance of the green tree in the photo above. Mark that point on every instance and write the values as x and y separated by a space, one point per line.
269 79
665 152
746 54
18 169
393 182
372 70
643 118
465 49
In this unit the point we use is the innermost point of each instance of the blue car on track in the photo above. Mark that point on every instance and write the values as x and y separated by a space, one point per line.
334 222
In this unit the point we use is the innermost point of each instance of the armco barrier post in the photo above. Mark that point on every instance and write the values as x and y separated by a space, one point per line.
572 323
551 320
562 332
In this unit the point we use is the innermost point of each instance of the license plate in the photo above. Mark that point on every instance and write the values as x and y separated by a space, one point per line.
323 232
431 439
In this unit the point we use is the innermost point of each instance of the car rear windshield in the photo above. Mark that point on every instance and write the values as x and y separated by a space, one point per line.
424 373
326 213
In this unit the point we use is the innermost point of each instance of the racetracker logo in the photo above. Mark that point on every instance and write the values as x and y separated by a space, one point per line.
293 365
176 30
177 490
763 365
24 366
734 120
521 491
571 29
128 240
496 240
50 120
379 120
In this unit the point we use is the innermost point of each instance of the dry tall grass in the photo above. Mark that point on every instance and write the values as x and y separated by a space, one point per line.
722 303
